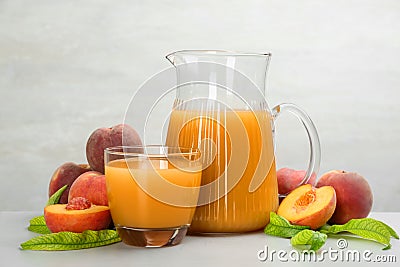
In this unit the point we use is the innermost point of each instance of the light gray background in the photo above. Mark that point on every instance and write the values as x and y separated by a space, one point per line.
69 67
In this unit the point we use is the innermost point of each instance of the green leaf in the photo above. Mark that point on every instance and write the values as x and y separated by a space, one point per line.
72 241
56 196
279 226
38 225
366 228
308 240
390 229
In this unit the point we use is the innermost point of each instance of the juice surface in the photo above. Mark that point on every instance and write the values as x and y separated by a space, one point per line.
238 156
132 207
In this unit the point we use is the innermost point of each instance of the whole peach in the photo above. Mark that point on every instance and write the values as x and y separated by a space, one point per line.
353 193
100 139
92 186
66 174
289 179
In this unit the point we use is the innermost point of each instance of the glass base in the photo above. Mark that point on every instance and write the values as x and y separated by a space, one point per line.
152 238
227 233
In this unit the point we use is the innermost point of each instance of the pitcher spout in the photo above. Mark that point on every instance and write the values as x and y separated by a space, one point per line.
171 57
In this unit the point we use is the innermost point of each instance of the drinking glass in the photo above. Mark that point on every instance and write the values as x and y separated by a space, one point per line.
152 192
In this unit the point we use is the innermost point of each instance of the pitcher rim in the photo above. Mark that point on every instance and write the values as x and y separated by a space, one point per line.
218 52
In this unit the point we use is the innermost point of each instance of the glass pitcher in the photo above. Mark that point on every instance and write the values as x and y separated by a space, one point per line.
220 108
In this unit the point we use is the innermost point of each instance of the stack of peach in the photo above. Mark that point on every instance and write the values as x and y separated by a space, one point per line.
84 204
337 197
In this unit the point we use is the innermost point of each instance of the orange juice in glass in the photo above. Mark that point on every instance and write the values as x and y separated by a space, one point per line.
152 192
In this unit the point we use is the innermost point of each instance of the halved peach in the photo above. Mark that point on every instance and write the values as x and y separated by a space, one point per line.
59 219
309 206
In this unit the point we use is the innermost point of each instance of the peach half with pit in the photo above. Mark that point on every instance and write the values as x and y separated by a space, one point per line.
92 186
353 193
66 174
77 216
309 206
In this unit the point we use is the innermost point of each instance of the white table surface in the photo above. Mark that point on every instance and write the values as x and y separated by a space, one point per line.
232 250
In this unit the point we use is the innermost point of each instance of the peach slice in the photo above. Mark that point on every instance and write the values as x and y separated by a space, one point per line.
59 219
309 206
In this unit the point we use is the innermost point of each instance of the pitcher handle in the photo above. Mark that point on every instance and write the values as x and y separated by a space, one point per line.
315 147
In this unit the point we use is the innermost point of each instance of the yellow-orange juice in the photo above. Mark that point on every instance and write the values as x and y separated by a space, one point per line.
132 207
239 176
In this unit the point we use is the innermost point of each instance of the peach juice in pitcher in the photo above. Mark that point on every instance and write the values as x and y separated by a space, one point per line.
220 108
